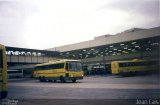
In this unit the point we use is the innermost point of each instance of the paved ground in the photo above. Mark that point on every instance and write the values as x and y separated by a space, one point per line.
91 88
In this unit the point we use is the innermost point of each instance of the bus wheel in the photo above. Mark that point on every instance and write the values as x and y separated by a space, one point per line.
40 79
55 81
43 79
62 79
74 80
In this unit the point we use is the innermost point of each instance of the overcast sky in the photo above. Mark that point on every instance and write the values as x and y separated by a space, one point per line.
42 24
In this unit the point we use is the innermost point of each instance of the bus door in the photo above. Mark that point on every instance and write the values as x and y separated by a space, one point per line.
67 69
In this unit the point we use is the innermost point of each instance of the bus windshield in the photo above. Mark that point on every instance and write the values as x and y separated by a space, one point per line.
75 66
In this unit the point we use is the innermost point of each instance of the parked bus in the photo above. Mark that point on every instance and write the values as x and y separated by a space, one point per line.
62 69
3 72
15 73
133 66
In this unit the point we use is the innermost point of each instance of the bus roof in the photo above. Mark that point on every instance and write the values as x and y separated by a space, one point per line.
57 61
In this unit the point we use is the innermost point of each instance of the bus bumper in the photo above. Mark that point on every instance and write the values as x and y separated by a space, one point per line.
74 78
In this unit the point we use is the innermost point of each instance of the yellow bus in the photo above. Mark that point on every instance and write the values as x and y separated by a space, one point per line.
134 66
61 69
3 73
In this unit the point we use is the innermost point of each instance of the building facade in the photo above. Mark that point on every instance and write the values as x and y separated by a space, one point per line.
135 43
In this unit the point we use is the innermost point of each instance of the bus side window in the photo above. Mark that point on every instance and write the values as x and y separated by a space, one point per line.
121 64
61 65
124 64
135 63
129 64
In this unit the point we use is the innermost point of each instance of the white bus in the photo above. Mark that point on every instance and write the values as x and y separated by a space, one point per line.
15 73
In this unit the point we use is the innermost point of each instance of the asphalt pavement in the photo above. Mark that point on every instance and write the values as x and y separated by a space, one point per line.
91 90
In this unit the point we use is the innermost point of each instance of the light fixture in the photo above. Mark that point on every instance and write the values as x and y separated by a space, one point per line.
133 49
119 50
148 49
121 44
111 46
136 46
133 43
